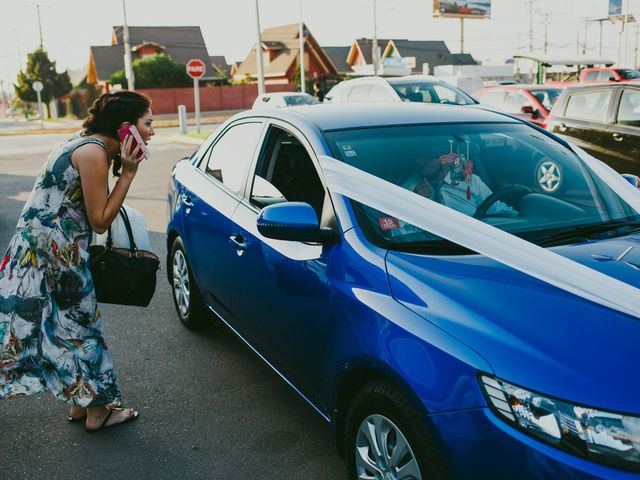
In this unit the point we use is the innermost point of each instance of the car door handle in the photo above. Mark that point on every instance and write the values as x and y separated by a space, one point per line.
241 245
562 127
617 137
186 200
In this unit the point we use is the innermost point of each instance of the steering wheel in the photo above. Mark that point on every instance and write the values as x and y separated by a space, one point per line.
512 193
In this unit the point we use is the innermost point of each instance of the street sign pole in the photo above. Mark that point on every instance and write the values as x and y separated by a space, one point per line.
38 86
196 68
196 100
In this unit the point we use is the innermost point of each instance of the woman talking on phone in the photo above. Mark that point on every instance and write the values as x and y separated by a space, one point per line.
51 332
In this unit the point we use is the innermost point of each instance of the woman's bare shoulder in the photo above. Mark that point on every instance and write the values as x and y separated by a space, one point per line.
89 153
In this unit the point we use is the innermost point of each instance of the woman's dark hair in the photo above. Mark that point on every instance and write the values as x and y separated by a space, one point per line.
112 109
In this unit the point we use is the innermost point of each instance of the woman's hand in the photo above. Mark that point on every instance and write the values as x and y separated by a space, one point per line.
130 161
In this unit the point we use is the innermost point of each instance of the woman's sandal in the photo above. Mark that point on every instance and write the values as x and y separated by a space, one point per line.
103 425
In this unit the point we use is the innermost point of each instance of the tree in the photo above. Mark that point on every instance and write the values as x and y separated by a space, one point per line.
308 82
155 71
39 67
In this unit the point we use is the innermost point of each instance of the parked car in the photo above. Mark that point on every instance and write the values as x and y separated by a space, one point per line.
529 102
608 74
604 120
410 88
282 99
428 358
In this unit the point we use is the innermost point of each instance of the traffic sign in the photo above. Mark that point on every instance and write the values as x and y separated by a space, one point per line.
196 68
37 86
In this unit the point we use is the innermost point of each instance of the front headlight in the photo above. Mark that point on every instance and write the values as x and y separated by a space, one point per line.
605 437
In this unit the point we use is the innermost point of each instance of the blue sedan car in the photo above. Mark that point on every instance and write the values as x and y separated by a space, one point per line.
454 290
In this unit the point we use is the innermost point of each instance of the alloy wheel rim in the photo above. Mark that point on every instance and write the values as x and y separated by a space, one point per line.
181 286
383 452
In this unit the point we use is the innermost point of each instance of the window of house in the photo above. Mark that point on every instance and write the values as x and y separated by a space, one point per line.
229 158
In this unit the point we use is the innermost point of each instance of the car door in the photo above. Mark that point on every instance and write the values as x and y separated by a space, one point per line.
279 288
585 120
623 136
210 199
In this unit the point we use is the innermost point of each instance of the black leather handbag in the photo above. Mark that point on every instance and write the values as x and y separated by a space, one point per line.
125 276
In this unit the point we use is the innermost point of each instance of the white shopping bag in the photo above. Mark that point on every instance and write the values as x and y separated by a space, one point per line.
119 234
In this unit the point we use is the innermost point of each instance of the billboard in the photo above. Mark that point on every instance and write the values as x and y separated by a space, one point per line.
615 7
462 9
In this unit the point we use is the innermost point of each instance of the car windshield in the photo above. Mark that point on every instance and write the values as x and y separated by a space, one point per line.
431 92
299 100
628 73
547 97
510 176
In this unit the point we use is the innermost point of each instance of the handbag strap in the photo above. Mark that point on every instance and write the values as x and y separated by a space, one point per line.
127 225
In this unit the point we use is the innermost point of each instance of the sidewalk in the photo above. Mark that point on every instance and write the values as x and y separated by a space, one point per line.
17 126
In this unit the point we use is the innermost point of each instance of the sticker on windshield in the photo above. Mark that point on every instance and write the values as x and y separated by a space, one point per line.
549 176
348 151
388 223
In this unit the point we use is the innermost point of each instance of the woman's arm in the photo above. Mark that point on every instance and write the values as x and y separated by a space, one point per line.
93 166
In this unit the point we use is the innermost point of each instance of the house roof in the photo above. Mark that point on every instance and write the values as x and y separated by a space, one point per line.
180 43
285 39
429 51
365 45
219 62
338 56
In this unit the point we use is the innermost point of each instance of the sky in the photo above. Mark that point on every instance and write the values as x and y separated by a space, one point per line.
70 27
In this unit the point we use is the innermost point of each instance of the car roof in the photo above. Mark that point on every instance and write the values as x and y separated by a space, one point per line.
284 94
338 116
602 86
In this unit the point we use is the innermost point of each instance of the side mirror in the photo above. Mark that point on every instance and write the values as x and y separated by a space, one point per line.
527 109
296 221
632 179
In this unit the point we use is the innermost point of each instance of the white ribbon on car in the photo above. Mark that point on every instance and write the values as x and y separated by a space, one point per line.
490 241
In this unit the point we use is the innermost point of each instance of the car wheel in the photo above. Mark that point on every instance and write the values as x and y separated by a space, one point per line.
186 296
386 439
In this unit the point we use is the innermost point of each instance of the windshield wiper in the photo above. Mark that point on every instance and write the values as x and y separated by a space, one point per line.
586 232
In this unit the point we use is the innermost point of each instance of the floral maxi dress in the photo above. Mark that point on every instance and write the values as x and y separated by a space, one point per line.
51 333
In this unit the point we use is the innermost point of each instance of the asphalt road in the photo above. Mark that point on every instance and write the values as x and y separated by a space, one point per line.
210 408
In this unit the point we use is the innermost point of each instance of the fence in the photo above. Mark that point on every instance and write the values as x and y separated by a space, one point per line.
233 97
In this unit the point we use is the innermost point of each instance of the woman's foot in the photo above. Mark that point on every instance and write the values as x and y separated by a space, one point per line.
77 413
103 417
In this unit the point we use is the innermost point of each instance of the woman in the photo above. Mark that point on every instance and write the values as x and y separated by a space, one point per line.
51 332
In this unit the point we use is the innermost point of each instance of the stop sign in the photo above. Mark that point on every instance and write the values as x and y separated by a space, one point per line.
196 68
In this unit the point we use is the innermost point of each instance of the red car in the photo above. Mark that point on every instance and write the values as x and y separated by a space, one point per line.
529 102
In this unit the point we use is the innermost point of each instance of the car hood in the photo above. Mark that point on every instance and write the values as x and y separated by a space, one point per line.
531 333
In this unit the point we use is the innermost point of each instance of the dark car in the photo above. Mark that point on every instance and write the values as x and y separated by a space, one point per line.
604 120
529 102
440 339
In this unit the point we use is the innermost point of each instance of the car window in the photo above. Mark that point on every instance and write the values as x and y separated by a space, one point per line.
430 92
303 99
628 73
629 109
229 158
359 93
546 97
592 75
514 102
540 186
379 94
285 173
590 106
493 98
606 75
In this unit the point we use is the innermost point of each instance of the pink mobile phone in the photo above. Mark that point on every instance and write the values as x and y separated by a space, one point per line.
137 139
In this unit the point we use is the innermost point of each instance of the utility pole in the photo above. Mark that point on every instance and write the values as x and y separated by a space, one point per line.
301 34
626 33
40 26
374 48
530 25
635 56
546 33
259 54
128 64
584 42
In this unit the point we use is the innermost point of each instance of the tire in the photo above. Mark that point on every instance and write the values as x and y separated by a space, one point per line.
382 406
186 296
